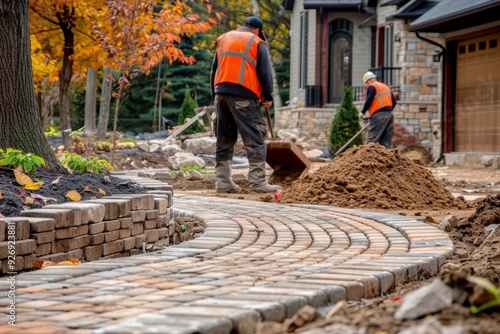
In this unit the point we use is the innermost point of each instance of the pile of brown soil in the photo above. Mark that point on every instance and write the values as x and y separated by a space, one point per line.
372 177
471 229
477 251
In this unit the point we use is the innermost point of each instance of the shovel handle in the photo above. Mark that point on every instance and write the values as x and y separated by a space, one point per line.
350 140
269 122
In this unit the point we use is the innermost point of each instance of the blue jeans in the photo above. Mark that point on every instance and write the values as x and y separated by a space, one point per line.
381 128
239 114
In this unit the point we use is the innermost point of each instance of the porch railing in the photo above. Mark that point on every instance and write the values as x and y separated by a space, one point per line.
388 75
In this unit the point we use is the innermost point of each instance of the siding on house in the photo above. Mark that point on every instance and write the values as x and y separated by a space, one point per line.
311 48
383 12
297 93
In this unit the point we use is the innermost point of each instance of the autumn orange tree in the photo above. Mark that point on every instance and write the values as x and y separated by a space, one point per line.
63 32
138 35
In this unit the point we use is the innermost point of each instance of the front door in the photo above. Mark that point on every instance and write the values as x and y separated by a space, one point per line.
340 59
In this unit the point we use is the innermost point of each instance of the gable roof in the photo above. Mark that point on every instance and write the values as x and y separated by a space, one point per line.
451 15
393 2
413 9
334 4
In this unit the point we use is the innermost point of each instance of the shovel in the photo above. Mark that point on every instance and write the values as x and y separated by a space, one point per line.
285 158
340 150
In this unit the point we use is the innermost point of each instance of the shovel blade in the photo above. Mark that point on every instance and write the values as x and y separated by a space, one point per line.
286 159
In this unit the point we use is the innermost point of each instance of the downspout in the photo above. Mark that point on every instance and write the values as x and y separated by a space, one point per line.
319 94
443 53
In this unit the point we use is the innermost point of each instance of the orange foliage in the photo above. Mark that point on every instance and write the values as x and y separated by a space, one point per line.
132 36
135 36
47 19
119 34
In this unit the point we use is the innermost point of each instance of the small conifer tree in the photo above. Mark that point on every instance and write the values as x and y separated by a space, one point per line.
187 111
345 124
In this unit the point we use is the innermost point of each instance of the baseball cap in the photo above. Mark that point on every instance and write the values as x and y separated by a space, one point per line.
256 22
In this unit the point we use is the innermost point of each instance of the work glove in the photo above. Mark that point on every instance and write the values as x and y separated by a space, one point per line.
363 117
267 104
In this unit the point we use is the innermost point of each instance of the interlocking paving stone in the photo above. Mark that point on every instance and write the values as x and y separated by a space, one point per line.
255 261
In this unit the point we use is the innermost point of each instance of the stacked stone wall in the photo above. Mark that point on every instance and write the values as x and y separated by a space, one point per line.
112 226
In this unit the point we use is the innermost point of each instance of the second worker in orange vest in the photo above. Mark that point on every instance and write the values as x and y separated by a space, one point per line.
241 82
380 101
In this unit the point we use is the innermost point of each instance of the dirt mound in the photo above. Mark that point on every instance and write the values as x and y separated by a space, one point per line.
477 251
471 229
371 176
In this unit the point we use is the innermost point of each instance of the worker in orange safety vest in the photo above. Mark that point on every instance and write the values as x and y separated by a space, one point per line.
241 82
380 101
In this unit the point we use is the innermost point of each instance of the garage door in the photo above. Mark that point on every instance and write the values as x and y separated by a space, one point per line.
477 122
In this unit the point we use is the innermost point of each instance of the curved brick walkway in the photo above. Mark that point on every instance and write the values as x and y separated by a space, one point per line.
255 262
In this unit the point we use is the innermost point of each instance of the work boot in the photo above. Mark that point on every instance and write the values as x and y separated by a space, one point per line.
223 178
257 179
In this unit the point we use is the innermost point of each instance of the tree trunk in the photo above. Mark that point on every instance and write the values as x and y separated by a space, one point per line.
157 97
90 95
102 125
19 119
65 74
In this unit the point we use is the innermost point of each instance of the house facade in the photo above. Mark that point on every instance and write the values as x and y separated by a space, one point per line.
471 80
334 42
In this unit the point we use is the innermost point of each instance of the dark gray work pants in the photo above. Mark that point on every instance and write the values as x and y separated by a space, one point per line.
239 114
381 128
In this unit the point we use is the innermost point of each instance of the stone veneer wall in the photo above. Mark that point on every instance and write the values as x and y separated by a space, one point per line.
421 85
112 226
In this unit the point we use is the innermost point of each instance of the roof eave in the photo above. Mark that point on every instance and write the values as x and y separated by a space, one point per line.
434 25
343 7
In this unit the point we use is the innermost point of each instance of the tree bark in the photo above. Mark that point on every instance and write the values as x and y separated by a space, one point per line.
102 124
19 118
65 74
90 94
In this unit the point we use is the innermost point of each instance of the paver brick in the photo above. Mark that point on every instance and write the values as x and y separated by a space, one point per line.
112 247
43 249
66 245
22 247
126 222
244 321
43 237
111 236
62 217
229 278
22 227
138 216
95 228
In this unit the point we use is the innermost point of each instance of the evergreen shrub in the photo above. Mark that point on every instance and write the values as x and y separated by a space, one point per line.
187 111
345 124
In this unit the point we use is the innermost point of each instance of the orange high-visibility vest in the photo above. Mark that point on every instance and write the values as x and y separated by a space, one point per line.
382 97
237 60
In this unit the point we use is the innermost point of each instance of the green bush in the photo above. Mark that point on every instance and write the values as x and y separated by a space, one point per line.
77 163
345 124
187 111
17 158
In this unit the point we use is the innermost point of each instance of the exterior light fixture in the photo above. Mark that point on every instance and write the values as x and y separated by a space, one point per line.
436 57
